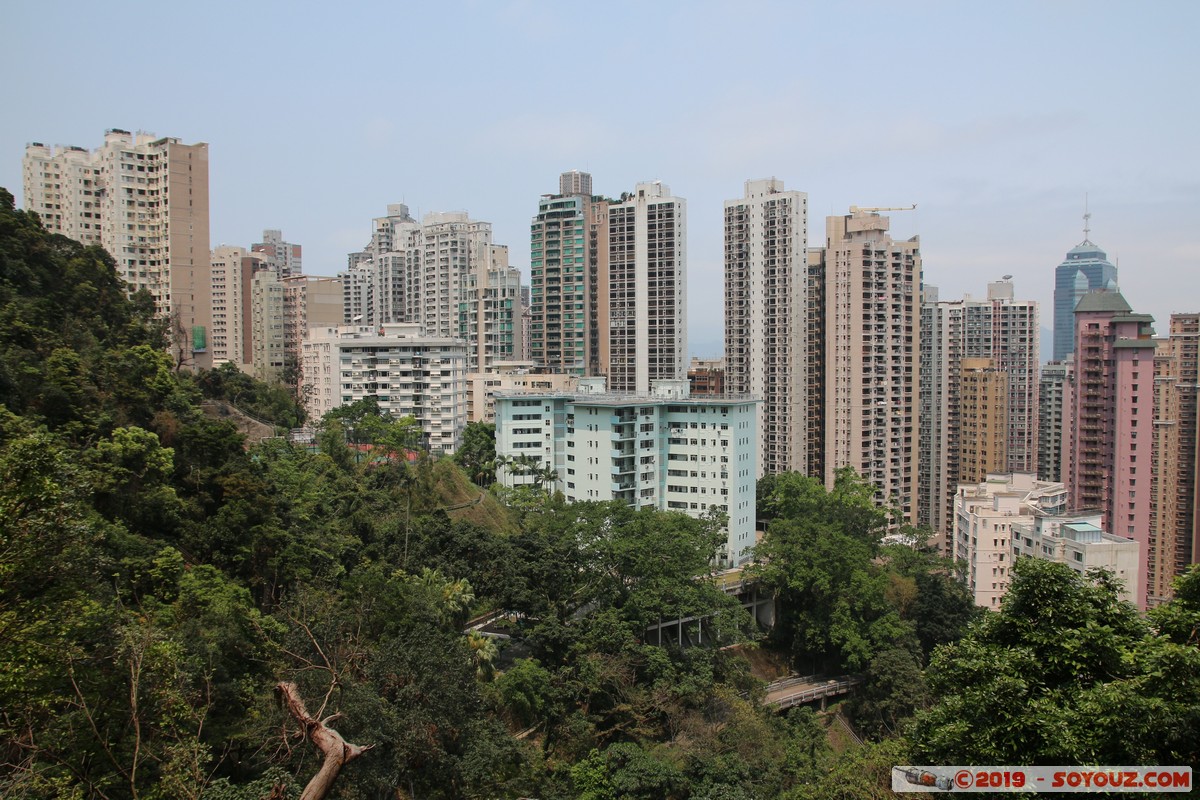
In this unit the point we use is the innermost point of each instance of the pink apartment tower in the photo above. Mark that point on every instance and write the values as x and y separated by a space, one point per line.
1113 414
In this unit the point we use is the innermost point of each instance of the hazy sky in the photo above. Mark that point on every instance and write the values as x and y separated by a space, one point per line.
995 118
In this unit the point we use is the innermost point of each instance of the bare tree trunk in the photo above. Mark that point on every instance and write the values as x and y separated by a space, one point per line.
337 751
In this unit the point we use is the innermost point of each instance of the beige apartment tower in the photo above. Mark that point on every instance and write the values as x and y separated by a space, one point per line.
229 338
983 395
766 317
872 328
1174 460
145 200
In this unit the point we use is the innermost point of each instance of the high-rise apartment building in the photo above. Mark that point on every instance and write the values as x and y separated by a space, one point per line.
490 311
1174 461
1085 269
706 377
510 377
1054 413
268 343
444 274
145 200
408 373
284 258
940 434
647 289
455 246
816 363
309 301
575 182
382 282
661 450
1004 331
872 287
983 414
1007 330
1113 431
229 339
568 270
766 317
1185 332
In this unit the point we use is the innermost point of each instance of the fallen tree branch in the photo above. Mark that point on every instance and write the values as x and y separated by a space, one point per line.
337 751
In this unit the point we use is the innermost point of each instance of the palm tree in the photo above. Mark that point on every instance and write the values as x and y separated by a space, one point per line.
452 597
545 476
483 653
502 462
522 465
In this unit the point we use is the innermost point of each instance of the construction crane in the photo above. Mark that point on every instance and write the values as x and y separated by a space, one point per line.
854 209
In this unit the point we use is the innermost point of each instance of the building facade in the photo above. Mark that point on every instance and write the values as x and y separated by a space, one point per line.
444 274
268 344
1174 462
1086 268
408 373
706 377
1054 413
766 317
662 450
872 287
233 270
513 377
145 200
1007 517
1113 430
1004 331
283 258
940 435
489 315
309 301
455 247
984 416
568 269
647 289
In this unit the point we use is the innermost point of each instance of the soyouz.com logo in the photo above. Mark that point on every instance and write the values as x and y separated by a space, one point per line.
1041 779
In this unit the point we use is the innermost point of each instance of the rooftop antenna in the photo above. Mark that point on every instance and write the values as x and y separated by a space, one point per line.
1087 220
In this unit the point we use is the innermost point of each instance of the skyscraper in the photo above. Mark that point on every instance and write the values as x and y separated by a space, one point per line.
455 247
1085 269
568 269
230 336
382 282
647 289
938 473
444 274
872 330
766 317
1004 331
284 258
489 315
145 200
1113 417
1174 460
1054 411
575 182
983 395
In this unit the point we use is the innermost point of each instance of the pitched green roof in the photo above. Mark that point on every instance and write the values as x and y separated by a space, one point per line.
1111 302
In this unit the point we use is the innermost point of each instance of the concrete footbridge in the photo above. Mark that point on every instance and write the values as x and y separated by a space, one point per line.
798 690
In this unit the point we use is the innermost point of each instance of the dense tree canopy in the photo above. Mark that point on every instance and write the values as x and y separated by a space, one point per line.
1068 673
170 596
